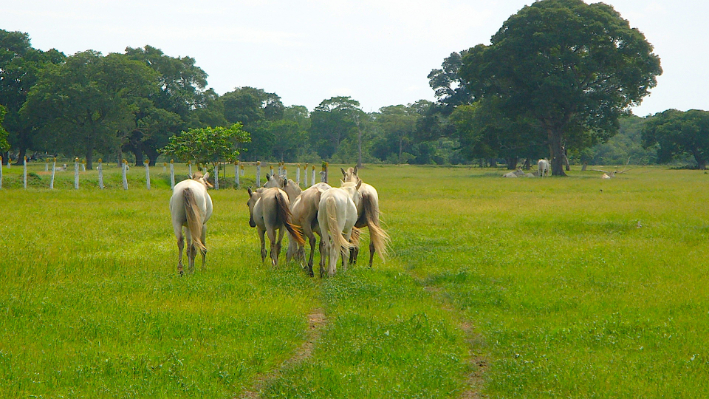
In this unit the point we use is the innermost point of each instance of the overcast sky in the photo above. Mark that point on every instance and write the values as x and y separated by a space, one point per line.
379 52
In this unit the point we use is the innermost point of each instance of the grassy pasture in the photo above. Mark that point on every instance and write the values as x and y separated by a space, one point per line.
575 287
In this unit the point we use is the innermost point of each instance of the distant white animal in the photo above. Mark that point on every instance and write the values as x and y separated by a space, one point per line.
337 214
544 167
191 207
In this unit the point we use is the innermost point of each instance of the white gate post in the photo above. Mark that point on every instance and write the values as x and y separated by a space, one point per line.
24 172
189 166
100 174
124 165
54 170
216 176
172 174
0 172
297 175
258 174
147 173
46 165
312 176
305 172
285 172
76 173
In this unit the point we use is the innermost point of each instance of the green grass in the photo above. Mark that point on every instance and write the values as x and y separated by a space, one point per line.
549 281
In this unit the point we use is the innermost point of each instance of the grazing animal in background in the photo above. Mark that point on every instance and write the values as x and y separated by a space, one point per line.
368 216
544 167
269 211
337 214
304 212
191 207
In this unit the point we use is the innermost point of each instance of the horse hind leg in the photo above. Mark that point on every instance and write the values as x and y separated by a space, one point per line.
204 242
180 248
371 253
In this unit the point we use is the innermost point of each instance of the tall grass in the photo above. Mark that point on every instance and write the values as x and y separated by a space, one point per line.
575 287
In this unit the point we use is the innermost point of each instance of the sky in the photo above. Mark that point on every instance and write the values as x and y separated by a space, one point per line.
378 52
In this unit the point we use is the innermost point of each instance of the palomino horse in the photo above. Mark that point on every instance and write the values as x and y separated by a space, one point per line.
337 214
289 186
368 216
305 214
269 211
191 206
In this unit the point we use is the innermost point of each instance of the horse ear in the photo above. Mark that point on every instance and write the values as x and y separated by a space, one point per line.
206 176
250 192
355 170
359 183
343 172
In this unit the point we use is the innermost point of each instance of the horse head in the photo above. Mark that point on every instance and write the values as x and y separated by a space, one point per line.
253 197
198 176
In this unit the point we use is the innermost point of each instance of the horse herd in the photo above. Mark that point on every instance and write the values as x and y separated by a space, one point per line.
336 214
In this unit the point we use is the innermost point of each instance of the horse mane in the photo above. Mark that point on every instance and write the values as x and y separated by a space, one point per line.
284 216
194 222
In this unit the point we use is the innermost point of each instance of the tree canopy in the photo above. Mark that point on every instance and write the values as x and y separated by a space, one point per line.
678 133
207 145
573 67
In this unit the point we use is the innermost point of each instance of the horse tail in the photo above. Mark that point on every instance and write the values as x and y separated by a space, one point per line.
335 232
284 216
194 219
378 237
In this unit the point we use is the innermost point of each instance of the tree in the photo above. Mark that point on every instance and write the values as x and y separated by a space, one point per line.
573 67
333 121
399 123
207 145
20 66
81 104
679 133
4 145
170 109
448 85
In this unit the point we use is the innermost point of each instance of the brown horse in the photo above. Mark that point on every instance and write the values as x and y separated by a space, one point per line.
368 216
269 211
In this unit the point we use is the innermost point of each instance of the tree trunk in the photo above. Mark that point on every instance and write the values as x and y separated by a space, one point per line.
702 164
511 163
89 158
493 163
583 168
527 164
556 151
5 157
21 155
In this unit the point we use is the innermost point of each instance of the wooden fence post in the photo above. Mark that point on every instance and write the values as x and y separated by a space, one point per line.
323 176
271 167
189 166
76 173
147 173
100 174
305 172
258 174
54 170
24 172
124 166
312 176
236 174
285 172
46 165
172 174
216 176
164 166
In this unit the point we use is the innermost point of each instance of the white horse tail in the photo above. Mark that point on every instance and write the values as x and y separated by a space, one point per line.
379 238
194 219
335 232
284 216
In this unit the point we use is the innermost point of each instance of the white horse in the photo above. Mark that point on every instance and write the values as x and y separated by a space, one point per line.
305 214
269 211
191 207
337 214
368 216
289 186
543 167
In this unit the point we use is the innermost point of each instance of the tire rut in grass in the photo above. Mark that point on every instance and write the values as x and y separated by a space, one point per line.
478 361
316 321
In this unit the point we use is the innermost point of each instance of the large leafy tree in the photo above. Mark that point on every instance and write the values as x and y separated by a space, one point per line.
677 134
448 85
398 124
574 67
168 110
82 103
20 66
333 121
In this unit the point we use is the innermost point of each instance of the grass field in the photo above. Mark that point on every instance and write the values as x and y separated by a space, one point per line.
575 287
